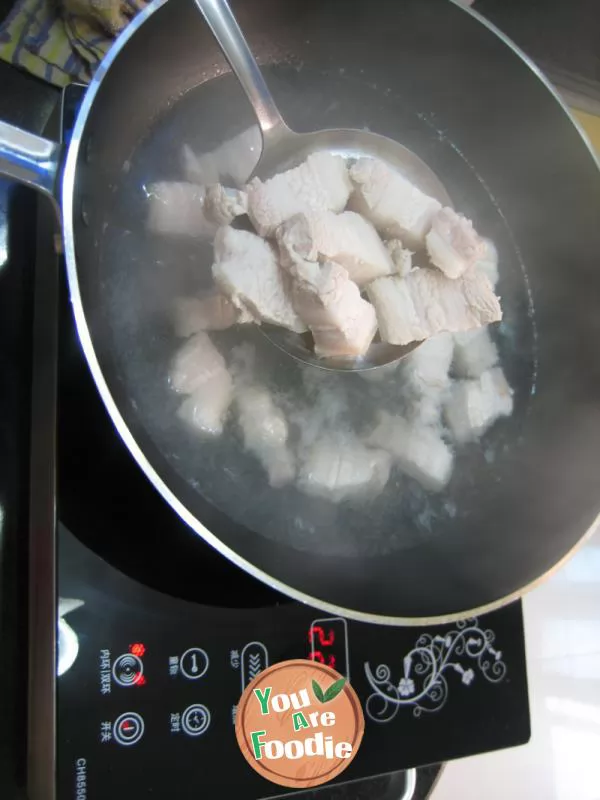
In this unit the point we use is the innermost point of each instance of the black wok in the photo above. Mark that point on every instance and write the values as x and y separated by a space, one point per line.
450 88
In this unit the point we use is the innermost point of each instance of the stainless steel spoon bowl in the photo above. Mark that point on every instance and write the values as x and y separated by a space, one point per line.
283 148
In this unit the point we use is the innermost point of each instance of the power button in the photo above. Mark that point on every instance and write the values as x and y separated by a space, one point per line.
128 728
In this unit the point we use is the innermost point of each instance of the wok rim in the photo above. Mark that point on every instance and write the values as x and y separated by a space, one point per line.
136 451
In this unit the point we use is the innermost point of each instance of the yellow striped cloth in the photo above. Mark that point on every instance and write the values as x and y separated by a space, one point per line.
62 42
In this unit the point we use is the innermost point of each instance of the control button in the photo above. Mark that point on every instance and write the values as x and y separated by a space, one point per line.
195 720
129 728
255 658
127 670
194 663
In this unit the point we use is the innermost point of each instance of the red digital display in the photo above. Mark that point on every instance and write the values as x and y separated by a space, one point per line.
139 679
137 649
318 638
328 643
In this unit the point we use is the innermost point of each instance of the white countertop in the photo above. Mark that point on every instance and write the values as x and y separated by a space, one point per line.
562 760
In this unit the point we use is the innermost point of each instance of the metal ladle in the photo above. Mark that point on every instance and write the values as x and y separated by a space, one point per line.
283 148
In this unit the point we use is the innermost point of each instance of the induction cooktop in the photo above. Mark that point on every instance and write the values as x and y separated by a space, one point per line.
159 634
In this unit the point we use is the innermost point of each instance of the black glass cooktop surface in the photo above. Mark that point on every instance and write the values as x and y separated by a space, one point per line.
161 634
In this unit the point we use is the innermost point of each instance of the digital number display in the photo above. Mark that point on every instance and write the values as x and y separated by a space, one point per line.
328 643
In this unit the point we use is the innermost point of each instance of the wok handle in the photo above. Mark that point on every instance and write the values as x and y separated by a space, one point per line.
29 159
232 42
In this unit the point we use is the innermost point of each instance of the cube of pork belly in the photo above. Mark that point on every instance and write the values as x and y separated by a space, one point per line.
426 378
346 238
335 470
425 410
199 370
265 431
427 302
341 322
195 363
391 202
474 405
428 366
176 208
232 160
319 184
453 244
246 270
401 257
206 409
474 353
418 450
223 205
488 262
211 312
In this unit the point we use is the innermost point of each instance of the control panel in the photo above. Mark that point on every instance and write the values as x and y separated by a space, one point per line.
185 672
152 695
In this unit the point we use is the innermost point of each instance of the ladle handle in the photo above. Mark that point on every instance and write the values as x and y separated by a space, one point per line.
232 42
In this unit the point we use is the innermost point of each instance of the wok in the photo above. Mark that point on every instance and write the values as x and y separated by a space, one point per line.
453 90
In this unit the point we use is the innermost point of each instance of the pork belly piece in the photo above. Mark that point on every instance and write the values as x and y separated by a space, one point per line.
391 202
345 238
233 160
246 270
335 470
212 311
418 450
488 262
205 410
426 409
199 370
426 377
320 183
427 302
195 363
223 205
474 405
341 321
453 244
401 257
474 353
176 208
429 365
265 432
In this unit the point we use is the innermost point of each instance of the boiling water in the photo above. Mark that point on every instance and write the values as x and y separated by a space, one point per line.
148 272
